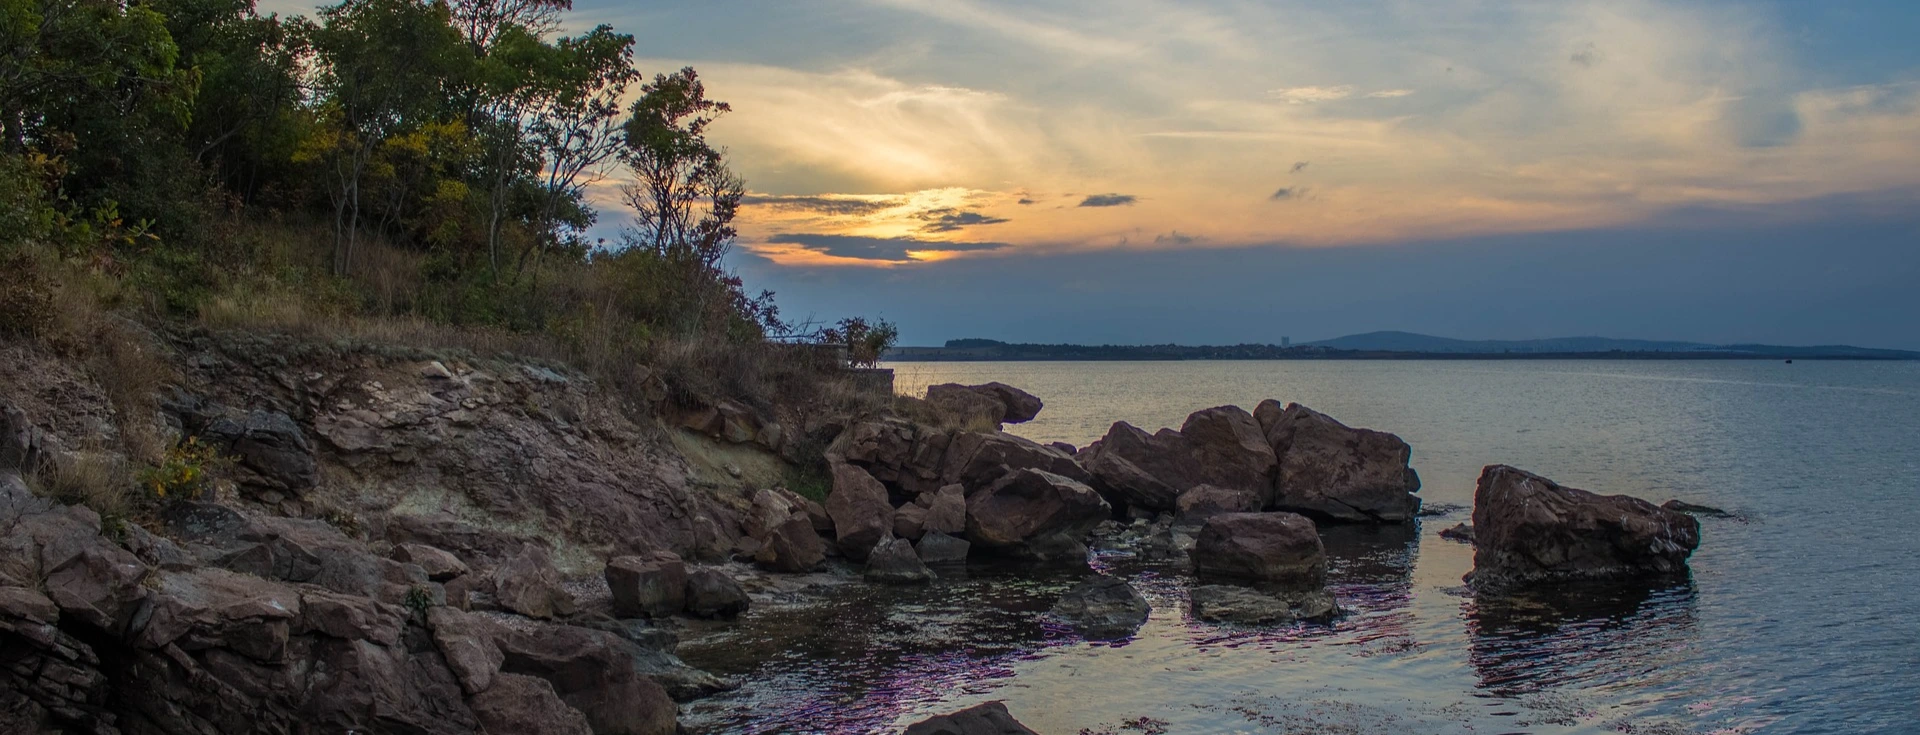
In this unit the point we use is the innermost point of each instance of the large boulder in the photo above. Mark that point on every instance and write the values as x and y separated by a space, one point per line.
530 585
1164 457
1331 471
894 561
1530 530
975 460
467 645
1228 446
991 718
440 566
860 510
1123 483
271 446
653 586
1008 405
948 511
1282 548
1036 515
526 705
593 672
791 546
713 594
1103 608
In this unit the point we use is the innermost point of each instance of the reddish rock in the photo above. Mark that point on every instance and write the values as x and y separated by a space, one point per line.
860 510
1331 471
991 718
947 512
526 705
1205 501
467 645
1529 530
654 585
1035 514
792 546
1281 548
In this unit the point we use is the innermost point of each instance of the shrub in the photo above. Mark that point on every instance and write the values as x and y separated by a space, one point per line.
185 473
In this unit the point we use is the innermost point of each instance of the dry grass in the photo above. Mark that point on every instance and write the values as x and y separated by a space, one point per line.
131 368
97 480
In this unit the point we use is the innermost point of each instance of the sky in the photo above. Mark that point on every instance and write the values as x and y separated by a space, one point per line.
1220 171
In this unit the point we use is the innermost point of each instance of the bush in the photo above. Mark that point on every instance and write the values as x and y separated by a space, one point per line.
185 473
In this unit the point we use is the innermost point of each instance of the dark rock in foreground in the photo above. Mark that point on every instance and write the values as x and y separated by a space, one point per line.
1282 548
713 594
939 548
1201 502
894 561
991 718
1332 471
1247 606
1103 608
1460 532
1530 530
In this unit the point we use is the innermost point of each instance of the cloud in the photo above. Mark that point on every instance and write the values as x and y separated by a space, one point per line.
1310 95
1288 192
1024 200
1587 56
948 219
1176 238
1298 166
830 204
1387 94
891 249
1107 200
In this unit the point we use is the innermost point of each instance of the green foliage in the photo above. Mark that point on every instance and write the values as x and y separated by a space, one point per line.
864 342
185 472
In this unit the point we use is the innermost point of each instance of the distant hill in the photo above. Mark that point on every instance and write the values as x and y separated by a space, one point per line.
1394 346
1410 342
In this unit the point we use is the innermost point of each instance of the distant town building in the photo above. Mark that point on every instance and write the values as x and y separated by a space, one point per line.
1286 341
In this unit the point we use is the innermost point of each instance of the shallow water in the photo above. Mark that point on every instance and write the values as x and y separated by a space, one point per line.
1801 617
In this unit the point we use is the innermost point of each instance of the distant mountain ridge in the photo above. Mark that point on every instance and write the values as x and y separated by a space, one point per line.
1392 345
1392 341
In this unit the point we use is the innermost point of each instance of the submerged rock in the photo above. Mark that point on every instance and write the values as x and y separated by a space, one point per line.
1460 532
939 548
991 718
894 561
1103 607
1276 547
1332 471
1531 530
1248 606
1691 509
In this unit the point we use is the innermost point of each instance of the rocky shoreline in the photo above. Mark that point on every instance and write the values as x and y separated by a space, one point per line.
411 543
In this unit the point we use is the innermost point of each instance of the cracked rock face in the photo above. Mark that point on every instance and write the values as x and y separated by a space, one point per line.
1328 470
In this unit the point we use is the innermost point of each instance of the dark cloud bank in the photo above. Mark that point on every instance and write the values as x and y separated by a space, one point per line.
876 248
1108 200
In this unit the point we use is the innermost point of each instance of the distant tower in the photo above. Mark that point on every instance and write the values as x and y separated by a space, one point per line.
1286 341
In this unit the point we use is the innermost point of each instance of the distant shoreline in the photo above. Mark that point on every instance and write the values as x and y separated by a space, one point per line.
940 354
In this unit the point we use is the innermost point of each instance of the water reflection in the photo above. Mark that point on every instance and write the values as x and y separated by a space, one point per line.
1590 635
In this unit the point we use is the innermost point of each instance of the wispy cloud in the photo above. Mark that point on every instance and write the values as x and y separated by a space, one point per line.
1287 192
1310 95
948 220
889 249
1108 200
1387 94
833 205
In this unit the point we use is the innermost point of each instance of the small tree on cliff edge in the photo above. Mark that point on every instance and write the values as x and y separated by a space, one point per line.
683 195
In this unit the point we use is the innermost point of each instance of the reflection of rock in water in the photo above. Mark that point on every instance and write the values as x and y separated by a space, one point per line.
1589 635
856 656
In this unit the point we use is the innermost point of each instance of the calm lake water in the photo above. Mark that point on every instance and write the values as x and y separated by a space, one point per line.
1803 614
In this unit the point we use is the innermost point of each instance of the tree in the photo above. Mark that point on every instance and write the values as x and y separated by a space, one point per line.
385 65
864 342
683 195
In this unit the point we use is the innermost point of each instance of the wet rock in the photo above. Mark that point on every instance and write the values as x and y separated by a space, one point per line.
1530 530
1201 502
1035 515
939 548
440 566
909 522
1103 608
1332 471
713 594
1249 606
894 561
991 718
526 705
530 585
1276 547
792 546
1460 532
947 513
860 510
653 586
272 446
1682 506
468 648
